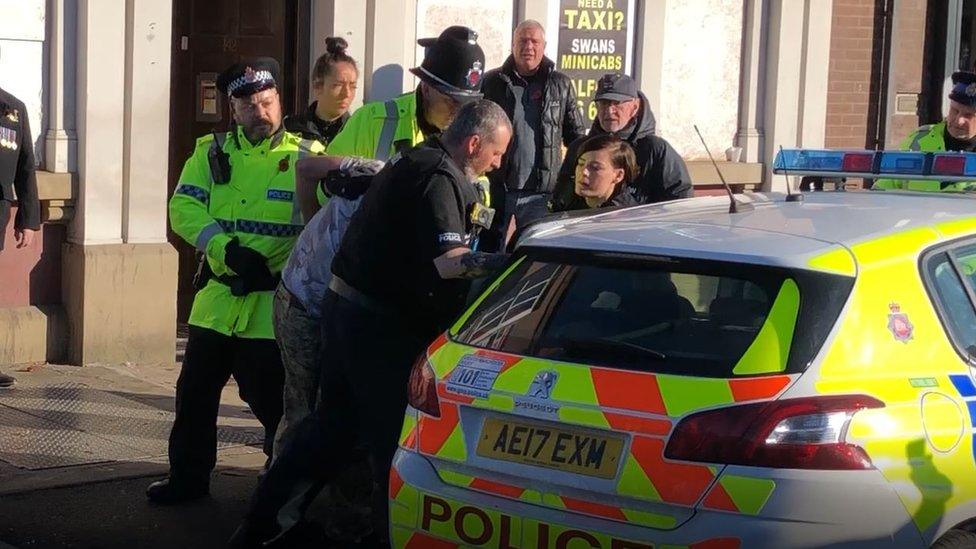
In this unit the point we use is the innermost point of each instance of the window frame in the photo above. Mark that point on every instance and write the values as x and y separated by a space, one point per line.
928 256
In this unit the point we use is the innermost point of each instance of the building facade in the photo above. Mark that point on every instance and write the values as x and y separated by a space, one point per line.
117 91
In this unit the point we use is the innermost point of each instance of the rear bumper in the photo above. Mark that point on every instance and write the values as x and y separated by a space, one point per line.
426 512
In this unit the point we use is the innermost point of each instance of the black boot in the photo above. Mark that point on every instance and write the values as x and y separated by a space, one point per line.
6 381
170 492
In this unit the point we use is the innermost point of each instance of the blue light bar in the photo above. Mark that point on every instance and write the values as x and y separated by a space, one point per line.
869 164
901 163
809 160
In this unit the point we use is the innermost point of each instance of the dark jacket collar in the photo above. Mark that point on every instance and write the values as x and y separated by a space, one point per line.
958 145
508 67
312 127
641 126
621 198
434 142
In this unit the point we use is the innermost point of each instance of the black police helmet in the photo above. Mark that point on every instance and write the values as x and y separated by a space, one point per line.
249 77
453 63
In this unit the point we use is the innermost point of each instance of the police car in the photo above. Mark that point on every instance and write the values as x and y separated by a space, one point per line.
797 374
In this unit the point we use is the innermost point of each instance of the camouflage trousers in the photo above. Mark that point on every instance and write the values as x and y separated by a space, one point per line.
345 501
299 339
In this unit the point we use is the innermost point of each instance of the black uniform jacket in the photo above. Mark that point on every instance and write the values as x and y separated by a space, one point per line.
310 126
416 209
17 162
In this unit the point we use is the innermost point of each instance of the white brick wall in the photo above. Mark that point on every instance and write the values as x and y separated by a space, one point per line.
22 63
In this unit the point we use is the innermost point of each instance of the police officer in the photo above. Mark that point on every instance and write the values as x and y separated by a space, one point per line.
17 174
236 203
334 82
399 277
957 132
449 75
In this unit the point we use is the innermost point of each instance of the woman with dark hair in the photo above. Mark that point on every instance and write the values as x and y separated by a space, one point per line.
334 82
606 166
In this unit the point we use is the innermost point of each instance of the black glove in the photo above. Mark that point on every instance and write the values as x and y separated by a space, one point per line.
249 264
337 183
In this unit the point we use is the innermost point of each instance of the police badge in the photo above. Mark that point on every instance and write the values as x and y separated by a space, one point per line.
12 115
898 324
474 74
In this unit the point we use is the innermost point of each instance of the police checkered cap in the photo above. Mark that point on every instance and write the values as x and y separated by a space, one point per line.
964 88
249 77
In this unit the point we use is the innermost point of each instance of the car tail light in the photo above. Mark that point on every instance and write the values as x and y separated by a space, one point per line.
422 388
800 433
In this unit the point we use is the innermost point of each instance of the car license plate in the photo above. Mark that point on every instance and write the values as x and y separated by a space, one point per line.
580 451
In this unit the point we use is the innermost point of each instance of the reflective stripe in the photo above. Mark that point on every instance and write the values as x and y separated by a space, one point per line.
267 228
195 192
385 142
919 135
296 211
207 234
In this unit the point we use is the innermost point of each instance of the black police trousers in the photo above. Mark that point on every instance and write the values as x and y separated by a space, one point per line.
211 358
366 361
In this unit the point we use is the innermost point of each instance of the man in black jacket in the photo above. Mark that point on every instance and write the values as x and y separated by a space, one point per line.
541 103
624 111
17 174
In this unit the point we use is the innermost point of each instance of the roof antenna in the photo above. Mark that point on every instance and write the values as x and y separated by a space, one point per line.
734 207
790 196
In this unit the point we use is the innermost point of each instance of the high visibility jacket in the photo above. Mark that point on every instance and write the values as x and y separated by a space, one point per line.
258 206
928 138
364 135
367 135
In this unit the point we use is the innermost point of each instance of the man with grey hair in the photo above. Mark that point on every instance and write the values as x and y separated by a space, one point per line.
400 277
541 103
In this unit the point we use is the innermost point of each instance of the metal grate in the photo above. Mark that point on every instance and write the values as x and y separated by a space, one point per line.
73 424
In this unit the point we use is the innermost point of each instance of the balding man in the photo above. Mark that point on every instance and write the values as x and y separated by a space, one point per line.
541 103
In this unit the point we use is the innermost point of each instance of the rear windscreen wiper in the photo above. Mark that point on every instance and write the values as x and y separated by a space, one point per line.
612 346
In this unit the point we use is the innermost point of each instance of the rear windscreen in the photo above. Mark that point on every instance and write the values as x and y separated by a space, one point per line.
656 314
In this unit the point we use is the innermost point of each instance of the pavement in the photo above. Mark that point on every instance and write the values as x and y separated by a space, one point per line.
78 445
